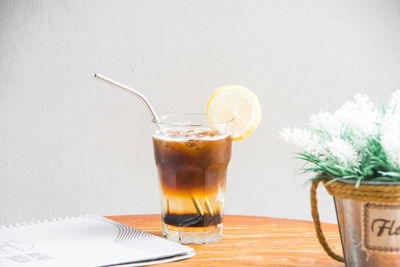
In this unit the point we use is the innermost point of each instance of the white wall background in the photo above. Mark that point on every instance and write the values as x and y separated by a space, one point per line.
70 144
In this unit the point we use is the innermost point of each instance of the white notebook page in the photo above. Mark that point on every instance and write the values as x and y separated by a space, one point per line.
83 241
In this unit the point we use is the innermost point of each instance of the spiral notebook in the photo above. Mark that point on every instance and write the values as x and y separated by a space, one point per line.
84 241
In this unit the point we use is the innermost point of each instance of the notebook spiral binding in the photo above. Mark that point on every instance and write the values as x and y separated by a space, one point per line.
23 224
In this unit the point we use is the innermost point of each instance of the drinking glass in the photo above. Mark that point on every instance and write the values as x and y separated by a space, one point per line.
192 157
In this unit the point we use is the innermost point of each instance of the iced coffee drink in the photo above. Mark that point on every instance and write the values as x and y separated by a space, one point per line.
192 154
192 159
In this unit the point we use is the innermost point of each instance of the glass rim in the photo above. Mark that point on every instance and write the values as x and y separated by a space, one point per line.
191 124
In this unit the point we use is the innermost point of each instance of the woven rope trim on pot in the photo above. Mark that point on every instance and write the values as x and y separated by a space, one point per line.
367 193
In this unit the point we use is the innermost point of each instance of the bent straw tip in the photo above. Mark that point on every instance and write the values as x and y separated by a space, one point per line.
95 75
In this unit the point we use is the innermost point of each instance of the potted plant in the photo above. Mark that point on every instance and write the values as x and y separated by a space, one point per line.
355 153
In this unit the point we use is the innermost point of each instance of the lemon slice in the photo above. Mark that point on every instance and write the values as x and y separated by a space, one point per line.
239 103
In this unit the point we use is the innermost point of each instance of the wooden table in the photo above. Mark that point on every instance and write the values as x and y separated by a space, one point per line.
253 241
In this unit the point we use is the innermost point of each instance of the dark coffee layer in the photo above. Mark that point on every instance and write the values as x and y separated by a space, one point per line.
192 164
192 219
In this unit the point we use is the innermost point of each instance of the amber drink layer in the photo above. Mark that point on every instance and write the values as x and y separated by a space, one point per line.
192 173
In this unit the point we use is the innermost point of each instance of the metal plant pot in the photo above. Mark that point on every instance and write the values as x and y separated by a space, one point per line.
369 230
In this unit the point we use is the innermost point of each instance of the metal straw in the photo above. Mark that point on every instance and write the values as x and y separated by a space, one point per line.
208 207
132 91
197 205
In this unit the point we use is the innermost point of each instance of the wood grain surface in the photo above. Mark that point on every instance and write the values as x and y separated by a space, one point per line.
253 241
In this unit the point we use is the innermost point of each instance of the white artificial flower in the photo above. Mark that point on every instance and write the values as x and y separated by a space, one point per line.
307 141
327 122
390 137
390 129
343 151
394 103
361 116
